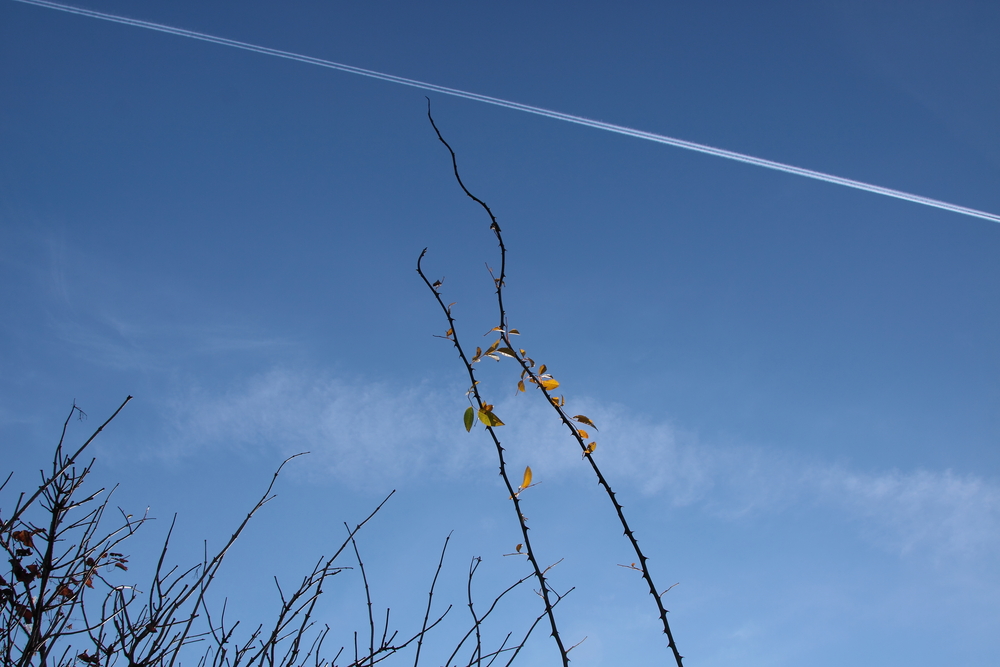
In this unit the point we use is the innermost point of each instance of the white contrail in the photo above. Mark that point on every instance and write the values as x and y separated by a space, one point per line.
579 120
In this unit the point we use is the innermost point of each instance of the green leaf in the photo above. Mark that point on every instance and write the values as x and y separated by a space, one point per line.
470 417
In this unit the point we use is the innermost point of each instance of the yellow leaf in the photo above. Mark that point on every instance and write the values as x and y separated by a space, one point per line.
518 548
507 352
584 420
526 482
590 448
520 385
488 418
514 332
541 369
549 384
470 415
583 434
449 332
494 346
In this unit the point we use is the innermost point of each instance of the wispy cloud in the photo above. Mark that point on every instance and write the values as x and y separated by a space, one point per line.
111 340
943 512
90 306
353 428
356 429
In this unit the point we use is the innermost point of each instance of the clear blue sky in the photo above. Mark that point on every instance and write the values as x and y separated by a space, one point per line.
797 384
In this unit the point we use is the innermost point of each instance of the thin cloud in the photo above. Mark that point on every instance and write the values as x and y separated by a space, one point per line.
357 429
110 340
354 429
950 513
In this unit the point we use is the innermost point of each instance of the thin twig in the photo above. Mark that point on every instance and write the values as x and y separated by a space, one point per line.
430 598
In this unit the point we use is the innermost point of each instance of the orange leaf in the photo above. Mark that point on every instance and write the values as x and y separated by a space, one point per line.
24 537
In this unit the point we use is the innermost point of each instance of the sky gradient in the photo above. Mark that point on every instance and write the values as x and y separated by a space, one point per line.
797 384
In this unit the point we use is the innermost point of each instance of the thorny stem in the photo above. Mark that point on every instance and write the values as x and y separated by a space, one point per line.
551 400
545 591
589 455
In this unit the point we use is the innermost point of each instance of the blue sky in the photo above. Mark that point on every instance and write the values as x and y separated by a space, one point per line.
796 383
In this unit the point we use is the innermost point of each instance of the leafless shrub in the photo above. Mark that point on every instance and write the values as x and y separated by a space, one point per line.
63 600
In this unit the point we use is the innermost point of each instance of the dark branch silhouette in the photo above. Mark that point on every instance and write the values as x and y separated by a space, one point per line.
538 378
63 601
